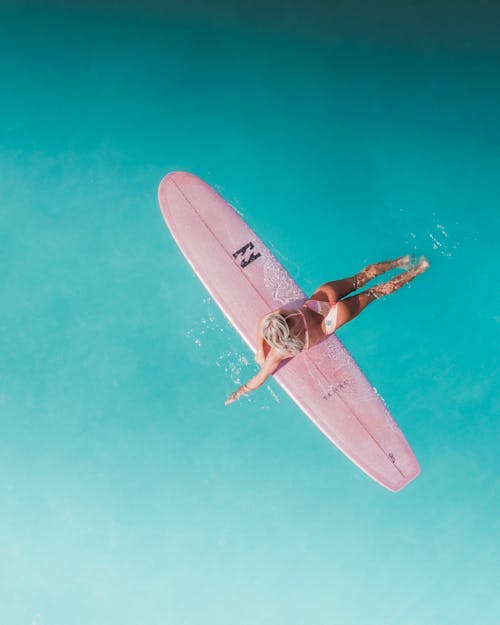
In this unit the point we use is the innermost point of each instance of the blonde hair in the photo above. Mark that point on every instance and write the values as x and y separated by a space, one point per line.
276 331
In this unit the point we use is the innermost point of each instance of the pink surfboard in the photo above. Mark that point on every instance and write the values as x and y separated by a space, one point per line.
247 281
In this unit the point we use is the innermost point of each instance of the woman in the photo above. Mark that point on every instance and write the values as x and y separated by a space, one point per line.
300 325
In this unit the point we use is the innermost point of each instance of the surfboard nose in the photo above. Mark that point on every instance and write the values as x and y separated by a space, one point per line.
177 178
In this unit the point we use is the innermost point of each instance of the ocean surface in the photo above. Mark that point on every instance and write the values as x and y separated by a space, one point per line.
345 133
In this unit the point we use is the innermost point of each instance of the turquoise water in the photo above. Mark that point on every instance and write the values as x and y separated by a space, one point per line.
129 494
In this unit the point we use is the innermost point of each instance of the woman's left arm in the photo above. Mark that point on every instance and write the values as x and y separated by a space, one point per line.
268 368
260 354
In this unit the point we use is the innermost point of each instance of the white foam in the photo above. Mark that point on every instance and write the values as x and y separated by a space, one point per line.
277 280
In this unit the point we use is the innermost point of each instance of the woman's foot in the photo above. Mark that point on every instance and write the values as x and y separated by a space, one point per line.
406 262
385 288
422 265
370 272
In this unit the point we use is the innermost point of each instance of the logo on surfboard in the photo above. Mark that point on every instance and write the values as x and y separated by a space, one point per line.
334 389
246 260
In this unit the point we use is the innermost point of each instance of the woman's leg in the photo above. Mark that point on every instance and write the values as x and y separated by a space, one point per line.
350 307
373 271
337 289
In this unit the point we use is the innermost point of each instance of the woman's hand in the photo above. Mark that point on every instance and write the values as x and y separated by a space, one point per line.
270 365
242 390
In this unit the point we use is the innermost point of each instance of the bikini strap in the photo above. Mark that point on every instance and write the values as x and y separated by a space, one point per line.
306 331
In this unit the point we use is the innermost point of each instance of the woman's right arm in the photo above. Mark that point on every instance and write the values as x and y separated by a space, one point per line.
270 365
